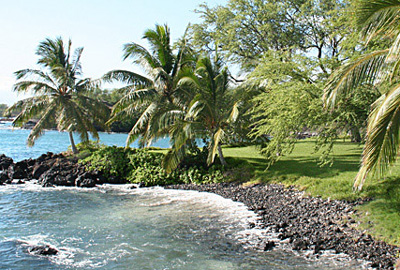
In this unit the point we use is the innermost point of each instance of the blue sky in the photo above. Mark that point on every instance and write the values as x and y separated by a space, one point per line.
100 26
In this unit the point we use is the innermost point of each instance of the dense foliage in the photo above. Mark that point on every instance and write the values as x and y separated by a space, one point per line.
145 166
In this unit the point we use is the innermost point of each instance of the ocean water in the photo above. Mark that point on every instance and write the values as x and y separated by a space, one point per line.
114 227
13 142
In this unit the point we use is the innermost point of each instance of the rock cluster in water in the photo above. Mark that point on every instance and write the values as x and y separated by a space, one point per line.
51 170
306 223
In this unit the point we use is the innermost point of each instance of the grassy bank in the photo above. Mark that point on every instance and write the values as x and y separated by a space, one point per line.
381 216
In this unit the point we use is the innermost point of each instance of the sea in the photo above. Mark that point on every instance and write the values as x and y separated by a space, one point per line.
115 227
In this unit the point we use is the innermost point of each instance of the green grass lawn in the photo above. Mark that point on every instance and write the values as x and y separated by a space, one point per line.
381 216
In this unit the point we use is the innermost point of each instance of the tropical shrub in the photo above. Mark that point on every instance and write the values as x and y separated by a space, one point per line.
145 167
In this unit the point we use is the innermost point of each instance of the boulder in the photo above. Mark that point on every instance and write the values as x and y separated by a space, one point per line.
81 181
5 162
54 177
269 245
3 177
39 169
45 250
20 170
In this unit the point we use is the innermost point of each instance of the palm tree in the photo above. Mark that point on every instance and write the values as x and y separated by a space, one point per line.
209 114
155 94
58 94
380 68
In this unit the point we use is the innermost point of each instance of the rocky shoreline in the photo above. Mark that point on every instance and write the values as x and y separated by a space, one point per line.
304 223
51 170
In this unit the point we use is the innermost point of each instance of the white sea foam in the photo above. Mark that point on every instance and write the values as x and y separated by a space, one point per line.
227 211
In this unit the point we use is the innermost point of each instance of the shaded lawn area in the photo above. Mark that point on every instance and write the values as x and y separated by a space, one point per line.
381 216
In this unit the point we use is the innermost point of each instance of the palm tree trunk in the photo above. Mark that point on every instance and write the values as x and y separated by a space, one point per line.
221 156
355 134
73 146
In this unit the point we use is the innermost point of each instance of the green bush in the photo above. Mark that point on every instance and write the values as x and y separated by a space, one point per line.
143 166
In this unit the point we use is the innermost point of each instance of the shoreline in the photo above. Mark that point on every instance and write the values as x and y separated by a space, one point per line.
303 223
306 223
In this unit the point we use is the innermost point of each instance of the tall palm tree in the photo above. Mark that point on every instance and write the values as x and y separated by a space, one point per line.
209 114
380 68
156 94
58 94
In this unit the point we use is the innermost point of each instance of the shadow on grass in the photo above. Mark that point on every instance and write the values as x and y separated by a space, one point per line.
382 215
303 166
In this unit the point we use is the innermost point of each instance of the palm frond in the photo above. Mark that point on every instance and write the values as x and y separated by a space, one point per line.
377 16
159 40
233 116
364 69
140 56
44 122
127 77
136 97
383 137
30 108
215 141
141 123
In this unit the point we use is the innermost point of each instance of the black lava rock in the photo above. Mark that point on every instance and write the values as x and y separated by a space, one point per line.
81 181
5 162
306 222
269 245
42 250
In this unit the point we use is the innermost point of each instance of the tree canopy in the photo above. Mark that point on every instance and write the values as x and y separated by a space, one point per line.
59 95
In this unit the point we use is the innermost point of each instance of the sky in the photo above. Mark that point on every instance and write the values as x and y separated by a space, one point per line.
100 26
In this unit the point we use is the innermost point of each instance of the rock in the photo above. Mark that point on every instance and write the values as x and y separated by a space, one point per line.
81 181
269 245
18 170
3 177
39 169
42 250
5 162
300 244
307 223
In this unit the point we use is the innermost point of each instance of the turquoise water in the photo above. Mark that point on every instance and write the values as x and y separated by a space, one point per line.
116 228
113 227
13 142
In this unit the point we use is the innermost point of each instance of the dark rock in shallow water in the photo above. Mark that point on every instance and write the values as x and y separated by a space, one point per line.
269 245
3 177
55 177
5 162
81 181
18 170
42 250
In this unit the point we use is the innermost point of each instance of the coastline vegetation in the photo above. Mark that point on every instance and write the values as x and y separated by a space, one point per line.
304 70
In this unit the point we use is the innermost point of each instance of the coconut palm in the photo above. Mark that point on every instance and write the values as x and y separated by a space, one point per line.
209 114
155 94
58 94
380 68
